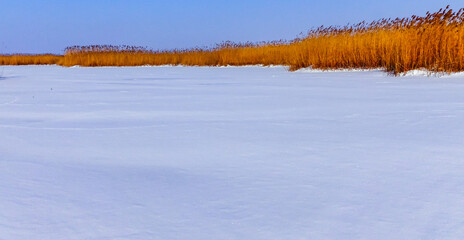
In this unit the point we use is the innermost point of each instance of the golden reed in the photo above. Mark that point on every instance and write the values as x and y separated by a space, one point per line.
434 42
26 59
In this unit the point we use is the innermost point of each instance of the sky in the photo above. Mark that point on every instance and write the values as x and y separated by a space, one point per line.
49 26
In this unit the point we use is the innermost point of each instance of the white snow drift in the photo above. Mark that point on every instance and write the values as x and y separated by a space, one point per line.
229 153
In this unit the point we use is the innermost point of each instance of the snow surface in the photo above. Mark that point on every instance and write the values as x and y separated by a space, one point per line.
229 153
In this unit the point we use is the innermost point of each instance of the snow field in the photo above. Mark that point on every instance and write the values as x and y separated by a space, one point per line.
229 153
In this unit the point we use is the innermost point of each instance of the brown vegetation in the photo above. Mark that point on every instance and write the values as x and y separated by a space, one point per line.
27 59
434 42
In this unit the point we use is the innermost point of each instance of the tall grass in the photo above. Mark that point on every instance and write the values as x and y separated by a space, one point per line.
27 59
434 42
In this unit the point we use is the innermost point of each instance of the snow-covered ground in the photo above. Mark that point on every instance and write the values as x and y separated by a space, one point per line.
229 153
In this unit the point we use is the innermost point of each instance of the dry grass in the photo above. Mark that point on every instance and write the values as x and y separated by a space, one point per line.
26 59
434 42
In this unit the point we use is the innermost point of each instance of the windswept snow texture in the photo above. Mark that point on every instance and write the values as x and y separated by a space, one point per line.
229 153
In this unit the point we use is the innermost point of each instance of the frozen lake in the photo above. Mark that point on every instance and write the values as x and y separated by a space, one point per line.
229 153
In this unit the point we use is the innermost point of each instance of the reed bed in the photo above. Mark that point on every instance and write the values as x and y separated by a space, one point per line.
27 59
434 42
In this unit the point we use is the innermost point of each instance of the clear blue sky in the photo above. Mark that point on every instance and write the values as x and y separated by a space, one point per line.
33 26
